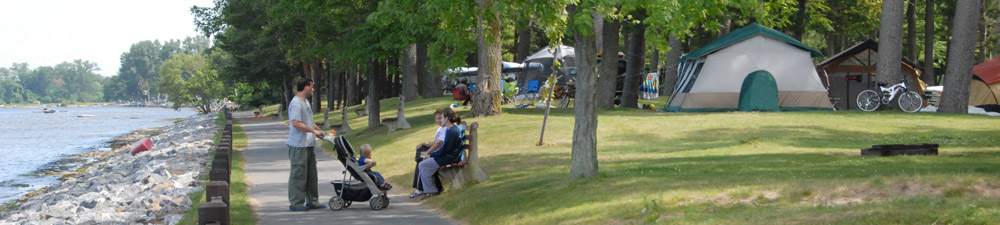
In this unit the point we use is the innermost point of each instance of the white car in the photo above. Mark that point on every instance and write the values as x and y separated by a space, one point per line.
933 94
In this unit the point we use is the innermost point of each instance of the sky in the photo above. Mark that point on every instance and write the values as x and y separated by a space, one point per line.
49 32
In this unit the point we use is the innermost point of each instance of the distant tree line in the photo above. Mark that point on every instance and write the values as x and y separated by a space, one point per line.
139 74
79 81
66 82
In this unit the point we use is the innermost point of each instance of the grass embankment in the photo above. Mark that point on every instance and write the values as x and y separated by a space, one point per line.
240 211
715 168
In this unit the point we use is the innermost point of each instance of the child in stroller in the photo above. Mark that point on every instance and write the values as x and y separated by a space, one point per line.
365 160
359 186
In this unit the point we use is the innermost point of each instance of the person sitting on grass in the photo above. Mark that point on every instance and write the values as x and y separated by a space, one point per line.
366 158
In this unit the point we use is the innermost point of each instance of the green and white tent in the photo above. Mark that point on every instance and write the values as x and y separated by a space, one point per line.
717 77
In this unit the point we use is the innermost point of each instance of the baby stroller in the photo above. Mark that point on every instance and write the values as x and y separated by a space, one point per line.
359 187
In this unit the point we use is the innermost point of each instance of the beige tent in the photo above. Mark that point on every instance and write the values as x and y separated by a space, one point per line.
720 74
985 87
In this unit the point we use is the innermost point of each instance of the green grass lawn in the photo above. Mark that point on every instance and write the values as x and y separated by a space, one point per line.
240 212
712 168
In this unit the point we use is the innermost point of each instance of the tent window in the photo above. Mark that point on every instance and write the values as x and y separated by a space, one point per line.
694 76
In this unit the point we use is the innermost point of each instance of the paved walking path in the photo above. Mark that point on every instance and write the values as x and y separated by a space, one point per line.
267 169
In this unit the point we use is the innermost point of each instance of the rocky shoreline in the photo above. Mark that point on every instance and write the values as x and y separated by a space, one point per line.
151 187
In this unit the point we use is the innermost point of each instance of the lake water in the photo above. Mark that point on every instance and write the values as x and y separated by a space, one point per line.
30 139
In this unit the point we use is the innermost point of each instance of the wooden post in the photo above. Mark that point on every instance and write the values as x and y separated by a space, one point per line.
213 211
217 189
219 174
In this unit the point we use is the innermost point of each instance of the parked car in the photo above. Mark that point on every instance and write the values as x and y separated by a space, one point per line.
933 94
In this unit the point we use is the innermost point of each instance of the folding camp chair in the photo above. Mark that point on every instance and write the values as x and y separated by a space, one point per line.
529 92
509 91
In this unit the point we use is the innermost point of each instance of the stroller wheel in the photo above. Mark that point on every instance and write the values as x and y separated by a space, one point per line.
379 202
336 203
347 204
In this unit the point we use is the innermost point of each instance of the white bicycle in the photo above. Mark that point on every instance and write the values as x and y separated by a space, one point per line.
909 101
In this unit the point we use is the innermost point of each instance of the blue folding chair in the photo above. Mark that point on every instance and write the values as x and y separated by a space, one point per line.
531 90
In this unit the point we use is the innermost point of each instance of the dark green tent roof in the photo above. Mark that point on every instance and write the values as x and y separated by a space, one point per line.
745 33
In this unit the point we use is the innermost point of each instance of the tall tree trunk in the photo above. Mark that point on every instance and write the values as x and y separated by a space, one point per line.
523 42
830 43
486 100
330 85
361 81
955 98
349 86
890 45
376 72
285 95
395 79
411 84
673 60
911 30
317 94
584 156
607 81
929 73
982 41
725 28
430 83
801 18
654 62
636 61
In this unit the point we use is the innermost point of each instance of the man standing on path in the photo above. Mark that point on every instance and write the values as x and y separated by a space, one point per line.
303 184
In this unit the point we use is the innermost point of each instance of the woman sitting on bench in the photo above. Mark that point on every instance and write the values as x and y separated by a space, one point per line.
447 154
423 152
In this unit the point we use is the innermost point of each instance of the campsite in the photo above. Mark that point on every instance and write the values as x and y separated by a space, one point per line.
506 112
720 168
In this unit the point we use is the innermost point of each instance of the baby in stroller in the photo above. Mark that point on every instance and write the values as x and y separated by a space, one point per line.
357 186
366 159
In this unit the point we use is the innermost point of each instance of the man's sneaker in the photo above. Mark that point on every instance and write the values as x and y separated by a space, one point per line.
298 208
320 206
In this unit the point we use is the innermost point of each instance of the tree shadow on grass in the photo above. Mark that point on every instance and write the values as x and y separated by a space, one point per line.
803 136
539 182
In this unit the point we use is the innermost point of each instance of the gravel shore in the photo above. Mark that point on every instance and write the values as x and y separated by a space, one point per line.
151 187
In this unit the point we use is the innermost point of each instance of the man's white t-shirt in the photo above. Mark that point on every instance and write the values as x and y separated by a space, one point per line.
300 110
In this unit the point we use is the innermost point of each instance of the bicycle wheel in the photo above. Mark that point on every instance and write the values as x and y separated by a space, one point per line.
910 101
869 100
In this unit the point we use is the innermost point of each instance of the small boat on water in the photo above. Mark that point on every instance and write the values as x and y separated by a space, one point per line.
84 116
47 110
141 146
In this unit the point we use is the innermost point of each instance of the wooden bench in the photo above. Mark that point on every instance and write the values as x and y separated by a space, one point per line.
326 119
361 112
398 122
343 127
469 169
